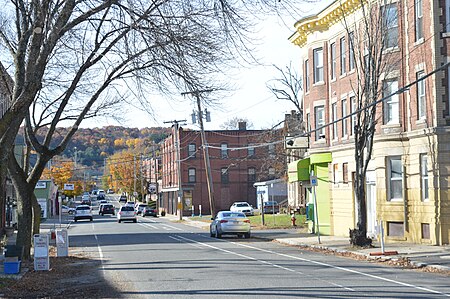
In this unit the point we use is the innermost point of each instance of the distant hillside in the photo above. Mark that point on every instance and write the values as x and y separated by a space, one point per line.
93 145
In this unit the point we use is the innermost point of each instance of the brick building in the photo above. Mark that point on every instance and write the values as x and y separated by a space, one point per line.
407 178
237 161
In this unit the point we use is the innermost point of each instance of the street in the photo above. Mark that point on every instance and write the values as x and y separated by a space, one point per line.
162 259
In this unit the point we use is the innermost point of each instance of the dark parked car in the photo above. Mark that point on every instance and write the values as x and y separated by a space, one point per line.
123 197
106 209
148 211
271 207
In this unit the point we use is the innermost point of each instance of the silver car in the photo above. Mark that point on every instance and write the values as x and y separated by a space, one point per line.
230 223
126 213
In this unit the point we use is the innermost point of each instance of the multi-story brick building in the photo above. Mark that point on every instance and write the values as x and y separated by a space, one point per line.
407 178
238 159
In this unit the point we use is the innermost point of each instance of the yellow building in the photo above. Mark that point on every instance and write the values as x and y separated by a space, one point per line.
407 177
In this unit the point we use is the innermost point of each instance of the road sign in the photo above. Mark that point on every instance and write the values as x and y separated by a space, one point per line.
313 180
69 187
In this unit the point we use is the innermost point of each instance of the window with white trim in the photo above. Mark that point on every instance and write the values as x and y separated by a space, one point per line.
343 56
333 61
418 9
390 20
395 178
391 102
344 120
424 176
318 65
319 115
421 99
334 118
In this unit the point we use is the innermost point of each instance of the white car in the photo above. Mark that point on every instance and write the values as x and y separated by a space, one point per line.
243 207
126 213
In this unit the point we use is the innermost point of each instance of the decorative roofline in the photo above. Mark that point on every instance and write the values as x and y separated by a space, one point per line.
322 21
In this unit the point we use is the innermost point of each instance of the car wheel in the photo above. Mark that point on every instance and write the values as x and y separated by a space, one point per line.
247 235
218 235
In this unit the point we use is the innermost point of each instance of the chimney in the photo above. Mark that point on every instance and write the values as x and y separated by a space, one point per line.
242 125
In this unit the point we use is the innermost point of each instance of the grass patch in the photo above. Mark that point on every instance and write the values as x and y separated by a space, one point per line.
270 221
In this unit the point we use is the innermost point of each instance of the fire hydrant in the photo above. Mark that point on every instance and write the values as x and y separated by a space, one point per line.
293 220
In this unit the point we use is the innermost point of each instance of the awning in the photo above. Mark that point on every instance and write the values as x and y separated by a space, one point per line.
299 170
321 158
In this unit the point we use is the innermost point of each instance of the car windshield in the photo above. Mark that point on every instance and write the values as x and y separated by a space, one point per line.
242 205
233 215
125 208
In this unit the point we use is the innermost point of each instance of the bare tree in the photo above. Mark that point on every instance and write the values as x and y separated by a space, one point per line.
74 59
369 38
288 86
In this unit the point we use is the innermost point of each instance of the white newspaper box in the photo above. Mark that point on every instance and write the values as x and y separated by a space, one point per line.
41 256
62 243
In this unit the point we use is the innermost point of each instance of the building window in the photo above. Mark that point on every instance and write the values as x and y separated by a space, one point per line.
318 65
224 175
345 173
191 150
424 176
343 56
351 51
391 106
353 117
395 178
319 114
334 116
271 172
426 231
191 175
306 76
421 100
390 20
395 229
250 151
251 174
224 150
419 19
333 61
271 150
344 119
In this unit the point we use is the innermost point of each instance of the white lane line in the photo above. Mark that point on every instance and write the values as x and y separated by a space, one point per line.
346 270
100 252
147 225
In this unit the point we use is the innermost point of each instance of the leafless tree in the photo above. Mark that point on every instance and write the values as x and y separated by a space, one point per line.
370 37
288 86
73 59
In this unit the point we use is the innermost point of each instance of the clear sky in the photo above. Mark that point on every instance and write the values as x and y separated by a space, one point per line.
251 99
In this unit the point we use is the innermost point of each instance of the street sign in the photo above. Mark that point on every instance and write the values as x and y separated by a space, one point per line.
69 187
313 180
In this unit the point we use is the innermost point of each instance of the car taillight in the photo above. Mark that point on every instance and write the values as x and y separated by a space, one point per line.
247 221
223 221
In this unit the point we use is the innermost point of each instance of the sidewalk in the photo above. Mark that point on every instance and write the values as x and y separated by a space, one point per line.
419 255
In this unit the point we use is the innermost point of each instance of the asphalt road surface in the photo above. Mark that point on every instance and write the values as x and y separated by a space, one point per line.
156 258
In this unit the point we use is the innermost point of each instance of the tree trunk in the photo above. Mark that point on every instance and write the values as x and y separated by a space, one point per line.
36 215
24 210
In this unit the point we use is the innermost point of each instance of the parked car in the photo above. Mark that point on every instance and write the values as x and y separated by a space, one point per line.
83 212
106 208
126 213
123 197
140 207
230 223
149 211
271 207
243 207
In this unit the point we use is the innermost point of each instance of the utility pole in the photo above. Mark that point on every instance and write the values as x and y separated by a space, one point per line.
205 149
176 123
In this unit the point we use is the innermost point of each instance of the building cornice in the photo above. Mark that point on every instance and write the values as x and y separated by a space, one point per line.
322 21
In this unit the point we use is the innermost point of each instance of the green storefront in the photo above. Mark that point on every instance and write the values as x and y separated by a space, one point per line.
301 170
